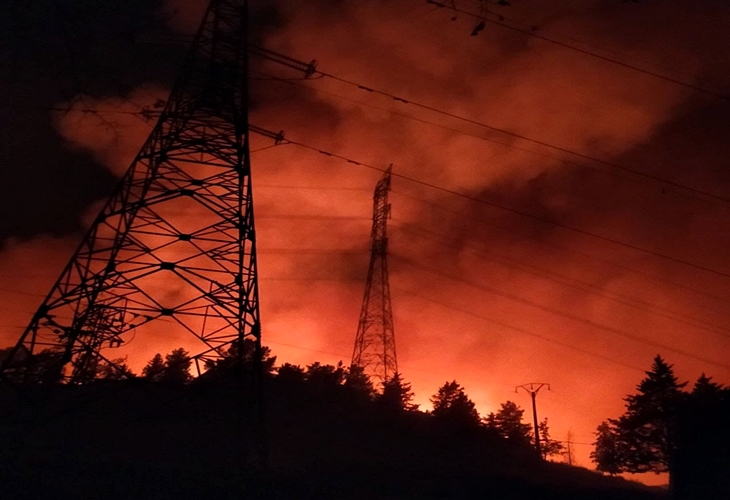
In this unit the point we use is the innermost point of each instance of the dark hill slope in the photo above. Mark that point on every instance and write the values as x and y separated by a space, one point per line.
135 440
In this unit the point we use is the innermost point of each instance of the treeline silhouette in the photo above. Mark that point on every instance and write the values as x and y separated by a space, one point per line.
328 432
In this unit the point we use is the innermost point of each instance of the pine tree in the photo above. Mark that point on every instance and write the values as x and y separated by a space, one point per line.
508 423
231 359
702 458
490 422
117 370
397 396
452 406
177 367
648 426
325 376
643 439
154 369
290 374
705 388
548 446
607 452
358 383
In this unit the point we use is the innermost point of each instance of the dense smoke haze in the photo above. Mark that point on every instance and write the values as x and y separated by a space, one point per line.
490 297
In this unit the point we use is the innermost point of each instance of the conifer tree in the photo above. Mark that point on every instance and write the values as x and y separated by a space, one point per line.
177 367
648 426
232 358
289 373
607 452
325 376
451 405
154 369
117 370
358 383
643 439
548 446
397 396
508 423
705 388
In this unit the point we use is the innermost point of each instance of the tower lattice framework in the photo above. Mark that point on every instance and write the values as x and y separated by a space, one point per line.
171 257
375 341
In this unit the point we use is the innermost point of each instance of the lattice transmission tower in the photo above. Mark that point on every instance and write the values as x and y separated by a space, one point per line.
171 258
375 341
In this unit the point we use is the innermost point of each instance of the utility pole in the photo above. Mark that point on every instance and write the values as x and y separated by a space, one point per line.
532 389
374 350
569 447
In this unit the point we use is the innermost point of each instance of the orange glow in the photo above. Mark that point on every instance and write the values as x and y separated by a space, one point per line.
482 296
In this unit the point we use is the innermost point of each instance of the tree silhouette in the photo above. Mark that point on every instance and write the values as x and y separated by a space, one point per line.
507 422
702 457
452 406
231 358
290 374
358 383
154 369
549 447
118 369
325 376
608 450
397 396
87 367
648 424
706 389
644 438
41 367
177 367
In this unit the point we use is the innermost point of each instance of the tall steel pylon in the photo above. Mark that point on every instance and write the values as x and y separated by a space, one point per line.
375 341
172 256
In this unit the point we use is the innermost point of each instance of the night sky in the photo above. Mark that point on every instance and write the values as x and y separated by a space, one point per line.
593 268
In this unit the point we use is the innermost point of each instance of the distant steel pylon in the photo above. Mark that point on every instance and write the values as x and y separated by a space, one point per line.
375 341
171 258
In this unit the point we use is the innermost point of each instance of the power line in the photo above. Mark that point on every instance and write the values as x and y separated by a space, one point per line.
565 281
320 74
294 251
309 278
564 249
533 34
517 329
522 137
312 217
71 109
487 139
312 188
290 251
145 114
541 29
513 210
551 310
19 292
